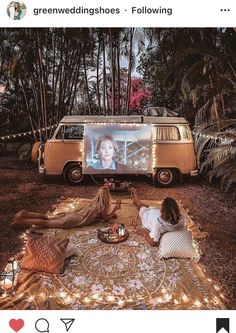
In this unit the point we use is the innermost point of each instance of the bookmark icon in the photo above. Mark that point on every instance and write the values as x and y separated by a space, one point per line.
68 322
222 325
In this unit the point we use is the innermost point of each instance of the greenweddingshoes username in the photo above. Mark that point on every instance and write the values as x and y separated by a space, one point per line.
101 10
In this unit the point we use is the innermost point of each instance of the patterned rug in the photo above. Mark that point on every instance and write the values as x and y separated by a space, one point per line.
126 275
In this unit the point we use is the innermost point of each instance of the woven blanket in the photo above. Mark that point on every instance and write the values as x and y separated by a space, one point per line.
126 275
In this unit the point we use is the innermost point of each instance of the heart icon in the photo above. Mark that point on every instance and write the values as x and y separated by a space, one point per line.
16 324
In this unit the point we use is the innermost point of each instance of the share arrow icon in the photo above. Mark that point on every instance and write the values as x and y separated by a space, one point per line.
67 322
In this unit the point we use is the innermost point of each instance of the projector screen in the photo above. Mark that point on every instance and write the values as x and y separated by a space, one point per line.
117 148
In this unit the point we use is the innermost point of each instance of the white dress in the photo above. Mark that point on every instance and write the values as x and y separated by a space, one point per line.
151 220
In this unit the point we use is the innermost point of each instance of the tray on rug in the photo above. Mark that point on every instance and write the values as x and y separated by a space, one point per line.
110 235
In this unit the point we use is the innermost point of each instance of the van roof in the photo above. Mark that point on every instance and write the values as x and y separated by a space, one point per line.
123 119
101 119
164 120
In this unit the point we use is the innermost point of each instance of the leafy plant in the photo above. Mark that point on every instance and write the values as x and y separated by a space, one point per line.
216 153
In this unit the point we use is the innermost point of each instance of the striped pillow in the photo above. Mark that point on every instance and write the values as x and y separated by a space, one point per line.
45 254
177 244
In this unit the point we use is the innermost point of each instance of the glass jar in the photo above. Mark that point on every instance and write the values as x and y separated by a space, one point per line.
121 230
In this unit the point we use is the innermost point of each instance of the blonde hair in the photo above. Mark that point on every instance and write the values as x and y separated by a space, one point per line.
106 138
102 199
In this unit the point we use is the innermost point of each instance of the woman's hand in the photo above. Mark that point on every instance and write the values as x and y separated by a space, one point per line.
118 204
140 231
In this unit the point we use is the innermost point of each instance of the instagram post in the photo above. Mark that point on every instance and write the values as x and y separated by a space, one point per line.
117 166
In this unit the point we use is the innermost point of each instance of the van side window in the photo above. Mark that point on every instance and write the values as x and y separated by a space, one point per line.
167 133
186 133
74 132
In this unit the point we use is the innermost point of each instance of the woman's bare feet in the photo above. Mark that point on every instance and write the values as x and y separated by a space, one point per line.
22 214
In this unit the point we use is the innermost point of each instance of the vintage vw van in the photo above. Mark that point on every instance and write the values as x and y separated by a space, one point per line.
159 147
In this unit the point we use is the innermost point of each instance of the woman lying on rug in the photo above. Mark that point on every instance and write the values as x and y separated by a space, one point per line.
98 208
157 221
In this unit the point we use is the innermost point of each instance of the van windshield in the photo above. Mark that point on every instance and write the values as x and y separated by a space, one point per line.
70 132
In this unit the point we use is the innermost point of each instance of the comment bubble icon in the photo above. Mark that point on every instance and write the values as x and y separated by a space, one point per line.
42 325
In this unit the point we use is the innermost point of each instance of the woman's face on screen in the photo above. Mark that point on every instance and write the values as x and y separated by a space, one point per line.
106 150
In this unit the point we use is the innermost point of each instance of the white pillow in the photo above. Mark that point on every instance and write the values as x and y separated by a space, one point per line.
178 244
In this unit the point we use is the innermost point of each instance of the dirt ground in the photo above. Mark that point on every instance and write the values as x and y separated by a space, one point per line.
215 211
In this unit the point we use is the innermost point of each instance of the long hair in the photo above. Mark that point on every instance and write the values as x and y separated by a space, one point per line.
170 211
102 199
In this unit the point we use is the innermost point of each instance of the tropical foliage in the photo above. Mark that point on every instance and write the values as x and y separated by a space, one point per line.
193 71
47 73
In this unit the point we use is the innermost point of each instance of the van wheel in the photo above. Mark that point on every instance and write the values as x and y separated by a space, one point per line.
73 174
165 177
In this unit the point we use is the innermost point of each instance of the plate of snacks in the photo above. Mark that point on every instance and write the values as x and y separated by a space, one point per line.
114 234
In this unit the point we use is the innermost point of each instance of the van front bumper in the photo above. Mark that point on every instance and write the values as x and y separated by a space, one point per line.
194 173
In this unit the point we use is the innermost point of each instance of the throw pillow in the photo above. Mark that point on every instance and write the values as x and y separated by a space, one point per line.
177 244
45 254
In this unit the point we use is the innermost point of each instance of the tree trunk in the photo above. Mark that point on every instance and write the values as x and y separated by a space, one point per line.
42 81
104 76
113 87
86 86
98 89
129 71
118 74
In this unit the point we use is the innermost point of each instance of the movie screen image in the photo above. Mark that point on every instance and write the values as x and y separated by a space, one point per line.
117 148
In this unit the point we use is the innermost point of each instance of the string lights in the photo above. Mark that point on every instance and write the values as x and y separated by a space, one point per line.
18 135
217 137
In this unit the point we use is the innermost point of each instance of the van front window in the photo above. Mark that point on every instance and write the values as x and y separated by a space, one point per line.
74 132
70 133
167 133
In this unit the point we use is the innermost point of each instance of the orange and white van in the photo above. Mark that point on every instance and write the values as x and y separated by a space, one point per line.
160 147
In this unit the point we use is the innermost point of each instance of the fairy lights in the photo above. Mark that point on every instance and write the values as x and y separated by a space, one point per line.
87 300
18 135
184 298
95 296
159 300
121 302
212 137
197 303
167 297
68 300
216 300
63 294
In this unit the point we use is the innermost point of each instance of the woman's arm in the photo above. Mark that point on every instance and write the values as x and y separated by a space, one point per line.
145 233
107 216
